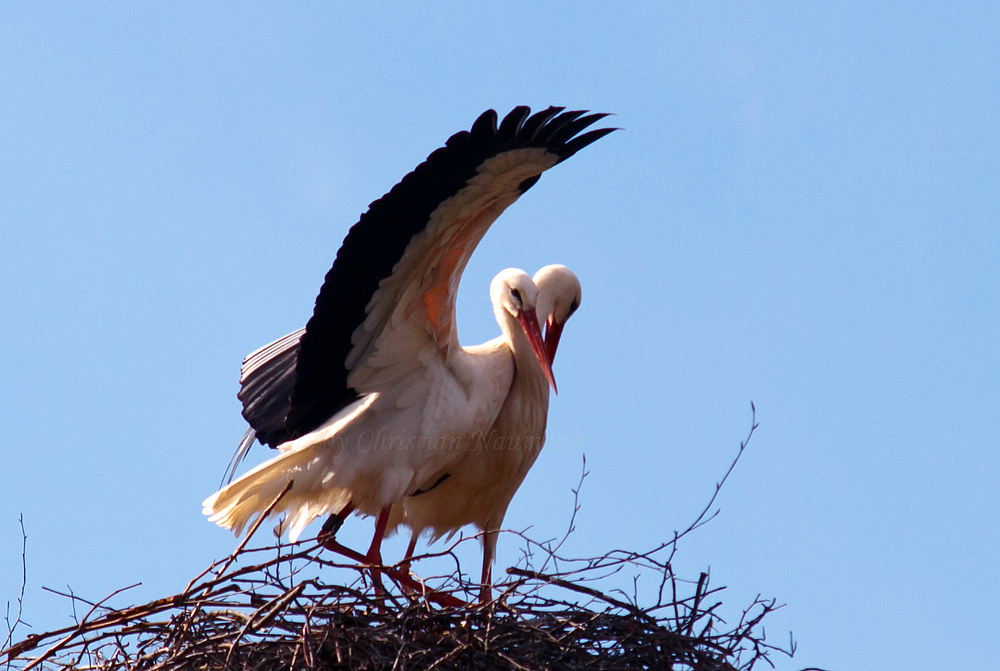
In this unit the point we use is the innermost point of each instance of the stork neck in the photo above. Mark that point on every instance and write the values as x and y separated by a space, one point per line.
527 402
527 368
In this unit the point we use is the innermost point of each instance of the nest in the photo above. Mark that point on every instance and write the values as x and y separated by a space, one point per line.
272 615
276 608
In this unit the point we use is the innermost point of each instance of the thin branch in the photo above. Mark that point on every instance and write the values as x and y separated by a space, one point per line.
20 597
701 519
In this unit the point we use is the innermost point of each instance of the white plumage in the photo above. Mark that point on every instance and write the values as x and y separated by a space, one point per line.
479 488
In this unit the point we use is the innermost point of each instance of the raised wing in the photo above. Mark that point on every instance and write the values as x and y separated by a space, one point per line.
392 287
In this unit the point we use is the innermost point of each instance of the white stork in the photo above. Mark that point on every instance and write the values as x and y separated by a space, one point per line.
478 489
382 397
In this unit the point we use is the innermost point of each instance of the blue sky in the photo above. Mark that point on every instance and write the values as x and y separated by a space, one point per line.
801 211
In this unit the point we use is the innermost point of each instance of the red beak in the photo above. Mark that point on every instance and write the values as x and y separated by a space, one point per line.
553 331
529 324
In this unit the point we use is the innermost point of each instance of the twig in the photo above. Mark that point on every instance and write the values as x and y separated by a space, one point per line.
20 597
250 533
701 519
79 629
553 580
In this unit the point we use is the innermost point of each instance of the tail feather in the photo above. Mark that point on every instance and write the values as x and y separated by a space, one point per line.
239 504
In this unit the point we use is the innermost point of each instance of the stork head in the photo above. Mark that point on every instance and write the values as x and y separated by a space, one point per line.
559 295
515 298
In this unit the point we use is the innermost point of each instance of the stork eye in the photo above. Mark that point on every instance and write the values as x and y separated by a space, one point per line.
572 307
517 296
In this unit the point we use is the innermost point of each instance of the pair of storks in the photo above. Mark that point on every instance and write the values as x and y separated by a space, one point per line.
374 406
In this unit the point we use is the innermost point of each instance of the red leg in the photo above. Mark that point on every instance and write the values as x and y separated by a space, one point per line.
404 566
409 551
328 534
489 551
333 545
401 577
375 550
374 557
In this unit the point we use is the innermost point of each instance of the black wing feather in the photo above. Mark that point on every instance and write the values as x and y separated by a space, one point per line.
573 127
509 127
266 385
531 127
578 143
546 132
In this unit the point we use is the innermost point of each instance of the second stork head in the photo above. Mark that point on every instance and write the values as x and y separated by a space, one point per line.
515 301
559 297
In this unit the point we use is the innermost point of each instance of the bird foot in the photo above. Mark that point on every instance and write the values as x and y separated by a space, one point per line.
401 578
